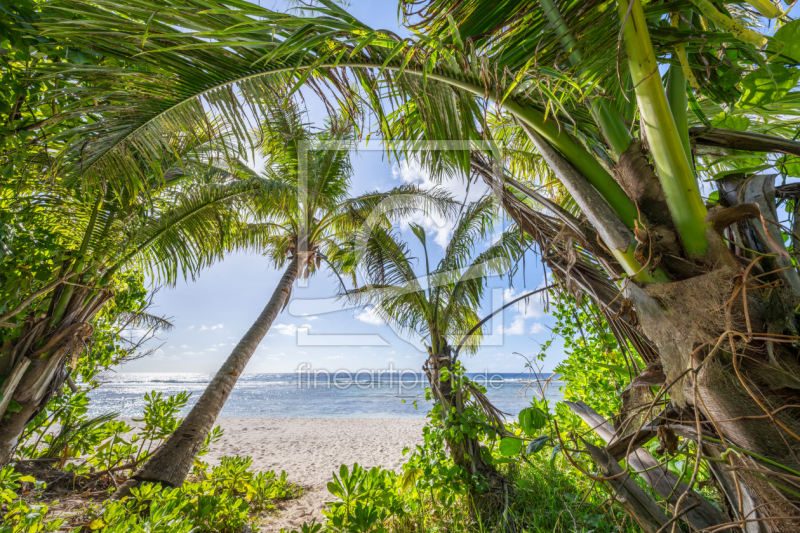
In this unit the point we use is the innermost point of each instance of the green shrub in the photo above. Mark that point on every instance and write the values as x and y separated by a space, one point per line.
20 516
104 441
366 499
223 499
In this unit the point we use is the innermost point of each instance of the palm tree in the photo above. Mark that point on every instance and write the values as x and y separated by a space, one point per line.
305 233
443 310
185 215
618 138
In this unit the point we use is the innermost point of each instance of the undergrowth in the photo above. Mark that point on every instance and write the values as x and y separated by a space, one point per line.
546 487
62 479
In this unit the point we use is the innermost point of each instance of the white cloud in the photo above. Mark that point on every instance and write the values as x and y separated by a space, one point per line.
218 326
517 327
221 344
509 294
184 346
211 349
532 308
203 328
191 327
192 353
138 332
433 225
290 329
158 354
411 172
537 328
369 316
334 357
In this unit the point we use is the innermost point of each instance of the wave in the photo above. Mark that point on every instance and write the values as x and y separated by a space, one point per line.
249 381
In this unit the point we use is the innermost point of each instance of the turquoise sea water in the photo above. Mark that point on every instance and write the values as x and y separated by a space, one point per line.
342 395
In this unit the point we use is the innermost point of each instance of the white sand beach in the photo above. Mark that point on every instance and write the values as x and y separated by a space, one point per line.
310 449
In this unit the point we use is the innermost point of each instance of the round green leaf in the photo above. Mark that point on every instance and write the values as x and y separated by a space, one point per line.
764 87
510 447
531 420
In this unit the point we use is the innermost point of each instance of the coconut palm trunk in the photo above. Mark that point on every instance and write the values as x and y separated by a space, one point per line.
173 460
465 451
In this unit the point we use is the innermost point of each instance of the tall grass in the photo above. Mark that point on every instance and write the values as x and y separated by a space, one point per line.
547 498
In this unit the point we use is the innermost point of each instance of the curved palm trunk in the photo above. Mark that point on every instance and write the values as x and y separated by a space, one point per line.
729 355
170 464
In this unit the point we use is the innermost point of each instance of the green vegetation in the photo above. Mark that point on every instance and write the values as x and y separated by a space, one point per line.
124 130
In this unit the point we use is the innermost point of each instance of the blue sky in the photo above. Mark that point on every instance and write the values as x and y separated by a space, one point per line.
213 312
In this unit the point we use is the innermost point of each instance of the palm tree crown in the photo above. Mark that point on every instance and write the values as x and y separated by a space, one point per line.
323 215
442 304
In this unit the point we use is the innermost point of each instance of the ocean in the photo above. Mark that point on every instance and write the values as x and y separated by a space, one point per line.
343 395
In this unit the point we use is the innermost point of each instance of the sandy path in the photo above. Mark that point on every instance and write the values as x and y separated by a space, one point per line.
310 449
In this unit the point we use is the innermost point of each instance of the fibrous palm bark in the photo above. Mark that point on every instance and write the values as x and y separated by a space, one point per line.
37 361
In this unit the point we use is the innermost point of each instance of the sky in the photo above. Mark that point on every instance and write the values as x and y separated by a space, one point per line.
212 312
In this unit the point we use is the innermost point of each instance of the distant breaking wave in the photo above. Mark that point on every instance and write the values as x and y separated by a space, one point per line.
399 394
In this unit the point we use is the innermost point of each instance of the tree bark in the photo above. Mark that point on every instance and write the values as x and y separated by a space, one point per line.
465 452
43 375
725 332
743 140
173 460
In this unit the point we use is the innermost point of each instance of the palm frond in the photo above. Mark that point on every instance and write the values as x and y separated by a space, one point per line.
468 291
140 319
197 229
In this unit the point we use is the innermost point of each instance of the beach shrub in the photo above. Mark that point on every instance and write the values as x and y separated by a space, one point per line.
544 497
366 499
224 499
20 516
200 506
105 441
259 489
